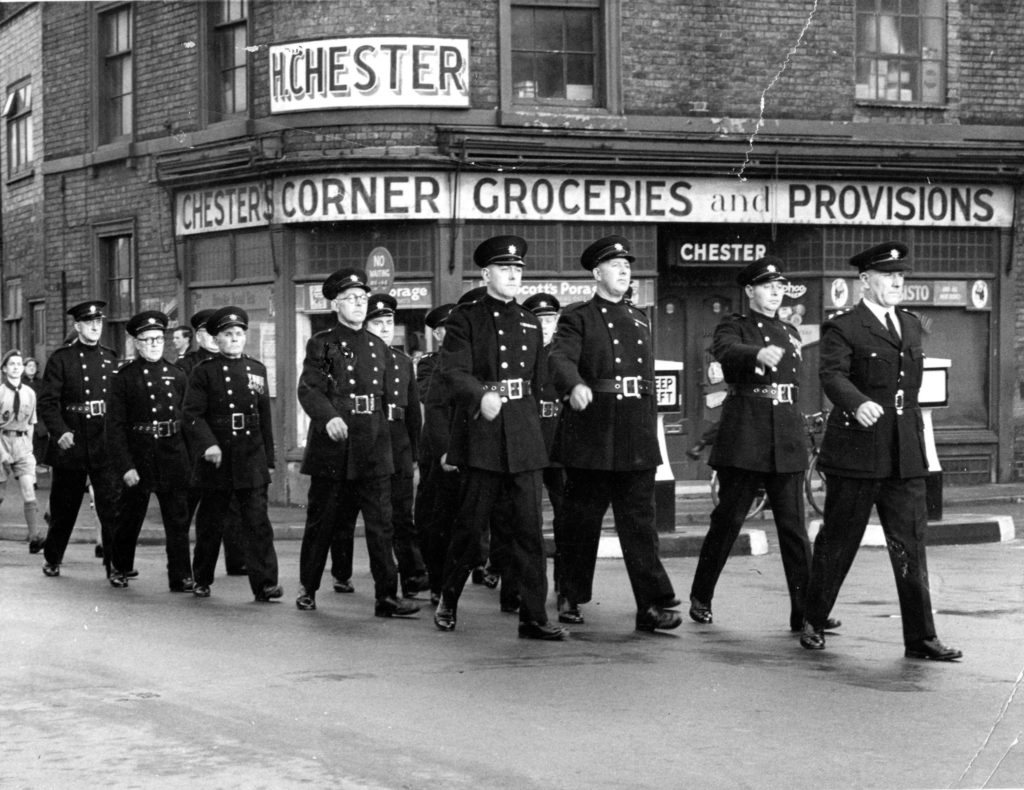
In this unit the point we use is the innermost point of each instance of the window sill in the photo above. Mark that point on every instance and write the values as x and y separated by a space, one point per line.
899 105
564 117
21 175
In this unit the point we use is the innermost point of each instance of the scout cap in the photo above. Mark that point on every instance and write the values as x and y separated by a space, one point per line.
888 257
542 304
604 250
342 280
763 270
148 319
87 311
502 250
225 318
438 315
381 304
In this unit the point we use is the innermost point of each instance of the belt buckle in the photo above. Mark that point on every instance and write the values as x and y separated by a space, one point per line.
95 408
392 408
898 401
547 408
631 386
237 421
784 393
362 404
163 429
514 388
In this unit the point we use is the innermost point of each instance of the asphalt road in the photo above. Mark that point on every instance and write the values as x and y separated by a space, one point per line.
143 688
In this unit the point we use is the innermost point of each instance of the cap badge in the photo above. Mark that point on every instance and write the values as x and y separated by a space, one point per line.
354 277
771 268
380 306
894 254
618 247
151 320
232 317
511 249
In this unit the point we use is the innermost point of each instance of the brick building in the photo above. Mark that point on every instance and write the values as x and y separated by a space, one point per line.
193 154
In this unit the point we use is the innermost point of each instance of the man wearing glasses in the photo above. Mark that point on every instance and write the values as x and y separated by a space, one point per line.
73 404
348 446
148 452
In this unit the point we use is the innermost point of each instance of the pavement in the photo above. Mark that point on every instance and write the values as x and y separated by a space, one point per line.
971 514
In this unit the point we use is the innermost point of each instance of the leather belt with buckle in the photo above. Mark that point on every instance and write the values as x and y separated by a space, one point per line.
396 413
626 386
14 433
364 404
237 421
513 389
158 428
91 408
776 393
549 409
900 401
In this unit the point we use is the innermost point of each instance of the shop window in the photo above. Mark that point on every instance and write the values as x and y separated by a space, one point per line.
560 53
115 83
231 257
322 249
228 67
901 51
13 313
18 114
117 268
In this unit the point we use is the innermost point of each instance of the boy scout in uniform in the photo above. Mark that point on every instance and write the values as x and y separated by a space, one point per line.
491 360
348 446
602 362
228 423
73 404
147 449
17 430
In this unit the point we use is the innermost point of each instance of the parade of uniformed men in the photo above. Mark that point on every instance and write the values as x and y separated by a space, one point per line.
73 404
761 441
348 452
148 452
873 452
602 362
228 424
491 359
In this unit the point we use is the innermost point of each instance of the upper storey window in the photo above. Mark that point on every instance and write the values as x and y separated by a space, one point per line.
115 75
229 67
18 112
901 51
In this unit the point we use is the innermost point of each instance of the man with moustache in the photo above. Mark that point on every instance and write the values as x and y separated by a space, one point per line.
872 454
602 362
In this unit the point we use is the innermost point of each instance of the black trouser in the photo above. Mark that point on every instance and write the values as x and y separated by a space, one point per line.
903 511
405 539
554 484
736 491
234 545
519 494
257 535
131 514
588 493
437 526
331 516
66 492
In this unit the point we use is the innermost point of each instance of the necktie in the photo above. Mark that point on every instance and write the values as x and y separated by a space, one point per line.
892 329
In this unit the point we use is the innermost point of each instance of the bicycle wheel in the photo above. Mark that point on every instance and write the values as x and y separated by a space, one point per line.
755 507
814 486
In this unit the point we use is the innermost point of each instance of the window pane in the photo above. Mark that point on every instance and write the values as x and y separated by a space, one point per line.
547 30
909 36
934 45
253 255
579 31
522 27
550 83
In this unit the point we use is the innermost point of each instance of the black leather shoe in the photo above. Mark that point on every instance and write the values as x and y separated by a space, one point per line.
269 593
98 551
184 586
477 576
306 602
546 631
933 650
812 638
201 591
51 570
35 546
117 579
415 584
569 612
132 574
700 612
654 618
509 604
830 625
394 607
491 580
671 602
444 615
344 587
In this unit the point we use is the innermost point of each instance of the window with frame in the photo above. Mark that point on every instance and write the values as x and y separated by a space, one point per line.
901 51
37 311
558 52
13 313
115 75
245 256
18 112
117 267
228 68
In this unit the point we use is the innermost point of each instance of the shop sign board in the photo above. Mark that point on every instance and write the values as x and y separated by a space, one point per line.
380 269
844 293
410 295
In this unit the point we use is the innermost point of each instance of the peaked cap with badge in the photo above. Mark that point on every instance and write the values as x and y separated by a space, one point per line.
887 257
436 317
87 311
606 249
763 270
381 305
500 250
199 319
542 304
225 318
342 280
147 319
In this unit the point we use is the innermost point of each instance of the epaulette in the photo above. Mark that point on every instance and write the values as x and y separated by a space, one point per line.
125 364
400 353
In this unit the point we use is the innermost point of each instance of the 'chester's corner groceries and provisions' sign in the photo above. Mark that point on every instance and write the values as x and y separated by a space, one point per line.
330 197
394 71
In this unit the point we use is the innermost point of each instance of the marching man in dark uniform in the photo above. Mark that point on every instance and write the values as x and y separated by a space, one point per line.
602 362
404 422
491 357
73 404
228 423
148 452
761 440
873 452
348 446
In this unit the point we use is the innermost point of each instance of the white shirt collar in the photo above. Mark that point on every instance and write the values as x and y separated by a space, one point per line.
880 312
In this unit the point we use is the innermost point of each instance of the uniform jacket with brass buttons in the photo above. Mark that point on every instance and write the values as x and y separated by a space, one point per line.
437 403
146 392
227 404
755 433
605 340
403 394
77 374
340 363
490 341
860 362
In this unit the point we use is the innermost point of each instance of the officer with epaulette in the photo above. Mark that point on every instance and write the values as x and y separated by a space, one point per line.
872 454
228 423
73 404
234 549
404 422
761 439
348 456
148 452
491 360
602 362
